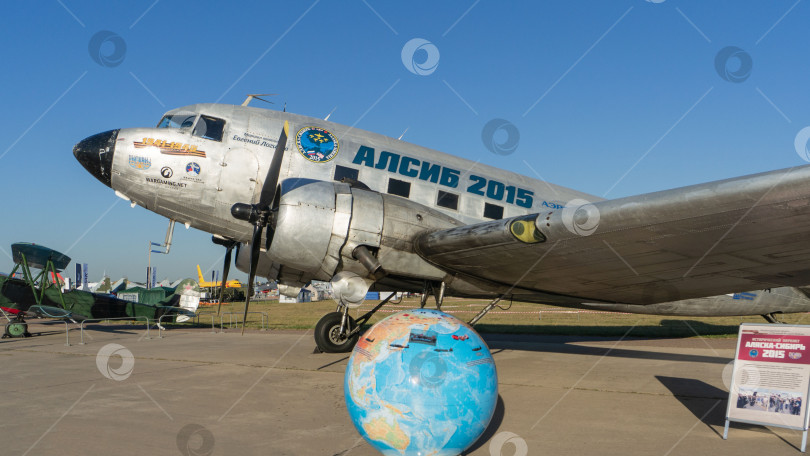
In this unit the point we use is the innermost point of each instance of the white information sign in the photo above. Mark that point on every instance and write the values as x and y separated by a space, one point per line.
771 377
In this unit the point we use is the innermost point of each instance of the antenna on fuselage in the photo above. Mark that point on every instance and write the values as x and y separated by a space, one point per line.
258 96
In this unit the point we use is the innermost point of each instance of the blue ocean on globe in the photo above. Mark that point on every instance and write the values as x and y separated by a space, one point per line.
421 382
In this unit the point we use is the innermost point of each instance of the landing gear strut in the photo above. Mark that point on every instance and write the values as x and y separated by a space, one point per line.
337 332
493 304
436 291
771 318
332 332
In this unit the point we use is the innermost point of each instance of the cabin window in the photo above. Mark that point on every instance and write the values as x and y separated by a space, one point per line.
399 188
448 200
177 120
209 128
493 211
342 172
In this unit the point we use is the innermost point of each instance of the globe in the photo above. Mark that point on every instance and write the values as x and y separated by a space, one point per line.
421 382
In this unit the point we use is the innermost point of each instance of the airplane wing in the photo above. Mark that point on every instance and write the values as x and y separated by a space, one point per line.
42 311
740 234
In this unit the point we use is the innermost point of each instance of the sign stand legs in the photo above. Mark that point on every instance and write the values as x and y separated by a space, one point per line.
725 431
804 440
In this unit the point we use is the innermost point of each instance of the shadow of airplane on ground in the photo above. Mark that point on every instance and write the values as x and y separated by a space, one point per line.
567 345
708 404
666 329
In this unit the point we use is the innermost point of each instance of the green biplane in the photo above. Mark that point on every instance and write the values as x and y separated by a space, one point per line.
41 295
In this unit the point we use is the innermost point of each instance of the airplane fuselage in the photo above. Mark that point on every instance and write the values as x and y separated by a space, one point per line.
195 179
204 158
342 188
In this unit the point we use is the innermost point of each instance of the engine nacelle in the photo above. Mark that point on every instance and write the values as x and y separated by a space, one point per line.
311 226
319 226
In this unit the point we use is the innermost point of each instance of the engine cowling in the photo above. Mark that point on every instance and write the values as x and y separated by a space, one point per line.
311 227
319 225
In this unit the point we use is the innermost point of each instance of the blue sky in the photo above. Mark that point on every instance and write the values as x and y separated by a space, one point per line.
611 98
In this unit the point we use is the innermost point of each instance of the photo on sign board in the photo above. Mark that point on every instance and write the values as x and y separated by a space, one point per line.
784 402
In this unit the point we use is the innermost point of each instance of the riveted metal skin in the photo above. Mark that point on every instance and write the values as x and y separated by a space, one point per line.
319 225
673 252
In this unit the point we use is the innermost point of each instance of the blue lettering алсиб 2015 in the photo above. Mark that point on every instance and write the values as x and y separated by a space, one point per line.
448 177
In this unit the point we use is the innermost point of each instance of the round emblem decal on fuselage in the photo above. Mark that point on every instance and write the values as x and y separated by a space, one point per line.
316 144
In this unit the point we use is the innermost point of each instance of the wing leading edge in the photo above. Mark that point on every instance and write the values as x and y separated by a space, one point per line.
740 234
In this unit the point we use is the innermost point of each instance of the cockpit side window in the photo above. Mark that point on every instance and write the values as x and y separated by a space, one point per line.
209 128
177 120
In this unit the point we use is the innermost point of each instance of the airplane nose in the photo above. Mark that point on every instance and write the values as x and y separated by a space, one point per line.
95 153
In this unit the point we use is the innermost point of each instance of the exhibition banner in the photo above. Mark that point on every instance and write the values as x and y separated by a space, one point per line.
771 377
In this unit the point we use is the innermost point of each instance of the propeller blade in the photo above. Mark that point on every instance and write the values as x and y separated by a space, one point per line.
255 246
271 181
258 213
225 268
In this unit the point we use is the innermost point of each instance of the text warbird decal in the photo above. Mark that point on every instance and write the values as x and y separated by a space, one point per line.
166 182
316 144
431 172
170 147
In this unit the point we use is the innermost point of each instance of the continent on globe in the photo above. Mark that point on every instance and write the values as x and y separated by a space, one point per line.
421 382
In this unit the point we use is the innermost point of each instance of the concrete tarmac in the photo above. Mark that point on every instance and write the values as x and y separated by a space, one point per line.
268 393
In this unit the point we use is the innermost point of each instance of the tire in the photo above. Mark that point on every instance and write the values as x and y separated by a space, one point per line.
16 329
326 334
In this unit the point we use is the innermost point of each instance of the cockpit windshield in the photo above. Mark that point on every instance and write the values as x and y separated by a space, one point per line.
178 120
209 128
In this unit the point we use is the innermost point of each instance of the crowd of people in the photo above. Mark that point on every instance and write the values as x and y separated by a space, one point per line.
783 403
772 402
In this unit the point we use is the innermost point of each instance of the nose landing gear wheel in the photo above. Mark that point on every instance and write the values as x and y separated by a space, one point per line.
16 329
328 336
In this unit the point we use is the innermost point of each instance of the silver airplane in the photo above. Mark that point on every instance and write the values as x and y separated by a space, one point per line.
369 212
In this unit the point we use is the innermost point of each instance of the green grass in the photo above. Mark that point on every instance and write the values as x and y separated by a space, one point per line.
520 318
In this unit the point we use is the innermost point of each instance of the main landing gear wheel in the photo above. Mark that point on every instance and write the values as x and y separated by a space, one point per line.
328 336
17 329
